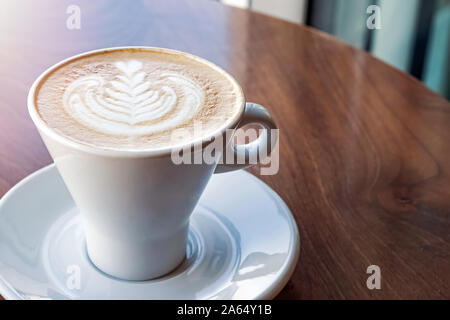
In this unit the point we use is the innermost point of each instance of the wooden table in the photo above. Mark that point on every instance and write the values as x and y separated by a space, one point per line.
364 148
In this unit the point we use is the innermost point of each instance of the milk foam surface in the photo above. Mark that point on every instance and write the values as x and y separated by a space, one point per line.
133 99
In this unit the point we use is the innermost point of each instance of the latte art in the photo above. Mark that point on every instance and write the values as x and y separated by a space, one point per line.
135 99
129 105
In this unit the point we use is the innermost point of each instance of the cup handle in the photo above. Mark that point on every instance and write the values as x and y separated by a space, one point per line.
263 145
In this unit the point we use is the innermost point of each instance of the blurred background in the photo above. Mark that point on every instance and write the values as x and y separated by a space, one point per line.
411 35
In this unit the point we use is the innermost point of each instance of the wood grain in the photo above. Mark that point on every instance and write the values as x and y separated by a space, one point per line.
364 149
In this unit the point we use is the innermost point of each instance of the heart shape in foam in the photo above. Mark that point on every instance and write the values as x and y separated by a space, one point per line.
129 67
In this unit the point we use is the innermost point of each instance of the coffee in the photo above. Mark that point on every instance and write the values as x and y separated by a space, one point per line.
133 99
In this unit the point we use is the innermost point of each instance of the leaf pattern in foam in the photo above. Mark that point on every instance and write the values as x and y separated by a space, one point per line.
130 104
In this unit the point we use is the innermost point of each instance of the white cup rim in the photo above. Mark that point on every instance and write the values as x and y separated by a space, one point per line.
73 144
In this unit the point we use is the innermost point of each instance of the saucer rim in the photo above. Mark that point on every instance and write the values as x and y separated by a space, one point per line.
10 293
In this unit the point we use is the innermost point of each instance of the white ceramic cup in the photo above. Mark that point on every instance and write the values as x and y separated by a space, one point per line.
135 205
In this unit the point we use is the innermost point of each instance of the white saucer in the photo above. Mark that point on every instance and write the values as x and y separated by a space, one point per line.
243 244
